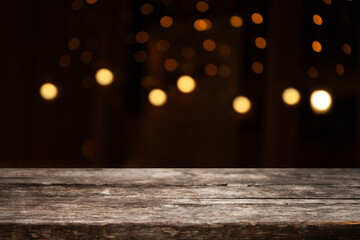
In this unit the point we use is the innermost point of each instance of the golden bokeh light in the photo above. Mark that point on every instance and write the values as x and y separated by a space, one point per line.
74 43
48 91
347 49
142 37
316 46
241 104
170 64
257 18
328 2
291 96
141 56
211 69
257 67
157 97
317 20
186 84
209 45
313 72
147 82
202 6
91 1
104 77
64 61
86 57
340 69
166 21
162 45
202 24
224 71
320 101
260 42
188 53
236 21
146 9
225 50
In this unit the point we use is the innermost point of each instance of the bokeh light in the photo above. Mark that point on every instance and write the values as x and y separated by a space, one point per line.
166 21
74 43
104 77
202 24
157 97
236 21
260 42
162 45
340 69
320 101
141 56
291 96
317 20
186 84
209 45
257 67
316 46
142 37
327 2
313 72
202 6
146 9
170 64
257 18
225 50
211 69
241 104
86 57
224 71
48 91
188 53
64 61
347 49
91 1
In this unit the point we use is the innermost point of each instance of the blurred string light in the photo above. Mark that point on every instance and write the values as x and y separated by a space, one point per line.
209 45
104 77
340 69
224 71
202 24
211 69
202 6
74 43
316 46
141 56
188 53
257 18
257 67
142 37
170 64
64 61
320 101
313 72
48 91
146 9
260 42
236 21
317 19
241 104
347 49
86 57
225 50
157 97
186 84
327 2
291 96
91 1
166 21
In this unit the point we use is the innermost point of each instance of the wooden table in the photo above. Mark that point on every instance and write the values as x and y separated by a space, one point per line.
180 203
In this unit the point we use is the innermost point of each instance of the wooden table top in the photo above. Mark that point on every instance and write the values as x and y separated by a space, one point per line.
180 203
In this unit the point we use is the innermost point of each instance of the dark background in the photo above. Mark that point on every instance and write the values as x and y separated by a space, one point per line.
89 125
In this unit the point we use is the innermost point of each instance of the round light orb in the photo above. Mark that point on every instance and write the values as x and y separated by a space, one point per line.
291 96
157 97
241 104
104 77
186 84
48 91
320 101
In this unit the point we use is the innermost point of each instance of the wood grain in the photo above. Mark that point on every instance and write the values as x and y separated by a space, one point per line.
180 203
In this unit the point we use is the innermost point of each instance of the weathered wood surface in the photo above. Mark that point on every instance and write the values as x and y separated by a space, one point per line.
180 203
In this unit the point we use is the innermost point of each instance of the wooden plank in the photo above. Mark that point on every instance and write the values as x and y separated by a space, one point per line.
180 203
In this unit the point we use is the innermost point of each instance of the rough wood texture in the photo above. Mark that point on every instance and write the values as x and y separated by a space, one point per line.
180 203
